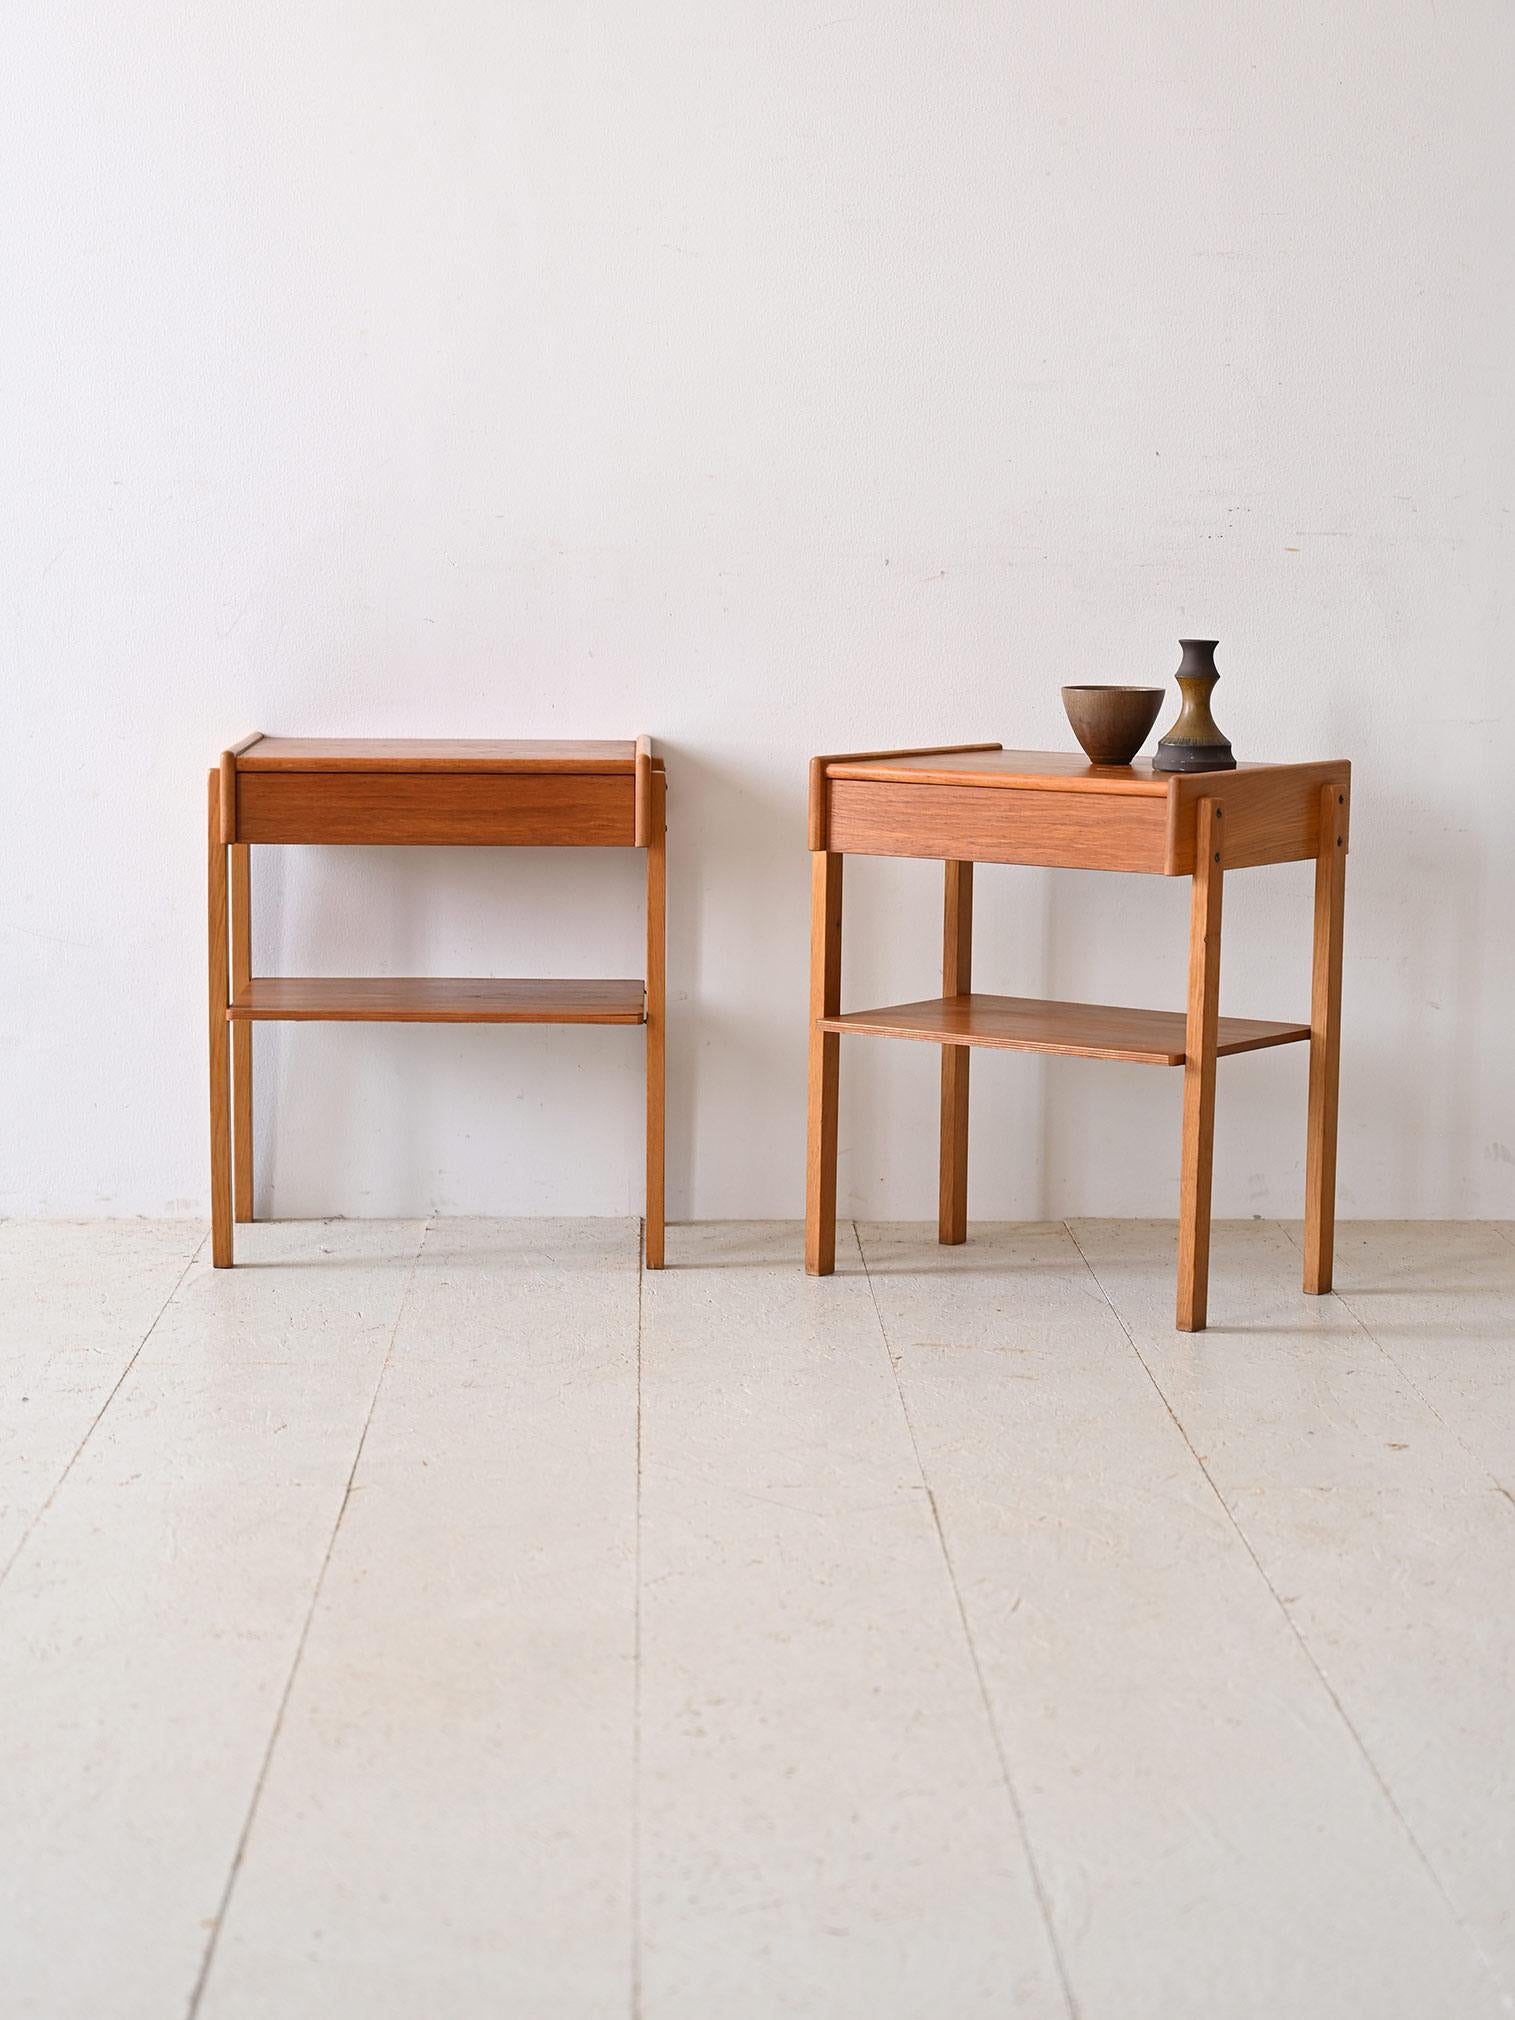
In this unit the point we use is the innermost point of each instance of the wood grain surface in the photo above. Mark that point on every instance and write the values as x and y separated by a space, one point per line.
438 999
1080 1030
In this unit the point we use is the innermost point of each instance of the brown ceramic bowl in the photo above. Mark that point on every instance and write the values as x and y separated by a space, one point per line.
1112 723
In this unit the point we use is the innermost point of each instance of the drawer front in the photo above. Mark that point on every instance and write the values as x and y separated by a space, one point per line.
523 810
995 824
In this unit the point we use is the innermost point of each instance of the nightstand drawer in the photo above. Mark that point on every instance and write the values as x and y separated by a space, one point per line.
997 824
478 809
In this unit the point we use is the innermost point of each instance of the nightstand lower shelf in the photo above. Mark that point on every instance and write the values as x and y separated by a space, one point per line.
1079 1030
436 999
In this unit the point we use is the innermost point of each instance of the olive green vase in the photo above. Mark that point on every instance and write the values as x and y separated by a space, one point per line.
1195 744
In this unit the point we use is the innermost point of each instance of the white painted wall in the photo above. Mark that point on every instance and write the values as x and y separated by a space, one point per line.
773 378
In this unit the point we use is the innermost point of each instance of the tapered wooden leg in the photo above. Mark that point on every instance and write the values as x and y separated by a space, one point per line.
1199 1072
220 1043
957 980
657 942
825 1062
241 1034
1325 1041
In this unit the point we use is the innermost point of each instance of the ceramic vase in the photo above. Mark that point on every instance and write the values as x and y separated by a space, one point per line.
1195 744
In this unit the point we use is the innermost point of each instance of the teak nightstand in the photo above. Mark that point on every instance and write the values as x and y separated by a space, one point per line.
508 795
980 803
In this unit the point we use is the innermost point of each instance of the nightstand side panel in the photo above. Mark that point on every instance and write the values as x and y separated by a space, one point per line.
1271 815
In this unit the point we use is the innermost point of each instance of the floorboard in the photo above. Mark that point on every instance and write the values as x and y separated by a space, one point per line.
1212 1837
446 1826
825 1828
77 1300
1439 1298
150 1626
1379 1527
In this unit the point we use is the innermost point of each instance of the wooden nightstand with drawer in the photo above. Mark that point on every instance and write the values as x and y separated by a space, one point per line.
424 793
979 803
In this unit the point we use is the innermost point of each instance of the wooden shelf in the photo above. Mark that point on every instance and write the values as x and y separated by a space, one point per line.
1080 1030
430 999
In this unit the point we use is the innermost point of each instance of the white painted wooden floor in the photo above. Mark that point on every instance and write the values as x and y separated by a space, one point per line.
446 1620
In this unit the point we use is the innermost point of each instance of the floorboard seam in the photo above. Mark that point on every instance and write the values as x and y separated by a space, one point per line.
202 1978
1017 1810
636 1670
94 1422
1309 1654
1422 1398
1410 1383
